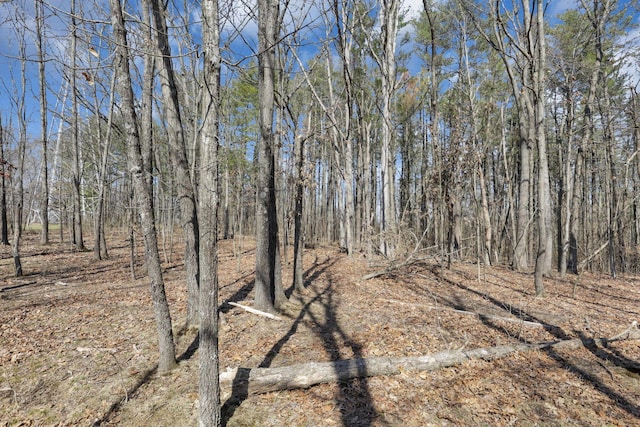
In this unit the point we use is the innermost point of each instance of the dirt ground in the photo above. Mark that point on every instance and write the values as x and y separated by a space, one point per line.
78 347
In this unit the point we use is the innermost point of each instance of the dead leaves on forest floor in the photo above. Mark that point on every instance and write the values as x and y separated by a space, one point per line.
77 344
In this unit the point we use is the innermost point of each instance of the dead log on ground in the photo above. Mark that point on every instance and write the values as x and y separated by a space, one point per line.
240 382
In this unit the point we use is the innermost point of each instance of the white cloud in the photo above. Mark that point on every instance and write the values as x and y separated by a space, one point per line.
413 8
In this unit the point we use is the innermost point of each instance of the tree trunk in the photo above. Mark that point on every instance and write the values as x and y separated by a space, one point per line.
545 241
568 188
18 197
77 173
166 347
100 248
298 235
44 169
4 170
389 32
268 292
208 200
177 144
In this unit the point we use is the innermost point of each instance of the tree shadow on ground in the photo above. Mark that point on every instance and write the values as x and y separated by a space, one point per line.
353 398
618 399
115 406
239 387
224 307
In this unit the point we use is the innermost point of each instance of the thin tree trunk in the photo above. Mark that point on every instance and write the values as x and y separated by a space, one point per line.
166 347
77 178
4 170
568 189
18 197
298 235
545 241
44 168
100 248
177 144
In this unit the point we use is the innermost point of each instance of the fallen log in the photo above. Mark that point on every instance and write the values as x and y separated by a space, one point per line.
241 382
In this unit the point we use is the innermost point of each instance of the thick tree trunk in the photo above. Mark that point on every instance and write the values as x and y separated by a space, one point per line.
389 32
208 200
243 381
268 289
166 347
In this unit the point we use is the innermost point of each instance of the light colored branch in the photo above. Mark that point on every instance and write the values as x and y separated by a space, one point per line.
255 311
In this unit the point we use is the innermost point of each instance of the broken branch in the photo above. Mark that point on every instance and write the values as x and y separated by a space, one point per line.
255 311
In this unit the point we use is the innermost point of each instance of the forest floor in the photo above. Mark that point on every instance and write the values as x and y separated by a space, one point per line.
78 343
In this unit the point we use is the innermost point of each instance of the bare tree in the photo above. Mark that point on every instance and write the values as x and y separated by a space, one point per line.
545 241
5 170
44 169
208 200
387 62
268 288
167 358
177 146
77 172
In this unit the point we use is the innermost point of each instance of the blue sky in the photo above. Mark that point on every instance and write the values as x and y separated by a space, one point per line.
57 43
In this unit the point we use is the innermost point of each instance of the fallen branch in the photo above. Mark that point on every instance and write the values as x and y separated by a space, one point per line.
592 256
470 313
239 382
390 268
255 311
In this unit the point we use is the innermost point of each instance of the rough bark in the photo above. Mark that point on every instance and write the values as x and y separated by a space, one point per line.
389 32
166 347
245 381
545 242
268 292
208 200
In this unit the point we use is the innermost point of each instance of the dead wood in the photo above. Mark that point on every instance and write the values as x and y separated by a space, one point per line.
244 381
593 255
390 268
255 311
